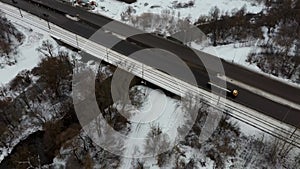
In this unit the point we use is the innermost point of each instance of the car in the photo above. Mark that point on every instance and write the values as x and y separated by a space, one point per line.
232 93
235 93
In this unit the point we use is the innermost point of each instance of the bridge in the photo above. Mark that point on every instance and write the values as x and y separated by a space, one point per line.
278 119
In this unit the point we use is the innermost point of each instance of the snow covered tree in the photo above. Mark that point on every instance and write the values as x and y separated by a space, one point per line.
157 141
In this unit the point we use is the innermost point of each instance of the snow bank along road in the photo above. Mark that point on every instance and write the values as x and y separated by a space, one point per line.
76 34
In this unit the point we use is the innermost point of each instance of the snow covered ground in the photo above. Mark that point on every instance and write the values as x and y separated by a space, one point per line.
237 53
168 113
28 57
169 116
157 110
114 8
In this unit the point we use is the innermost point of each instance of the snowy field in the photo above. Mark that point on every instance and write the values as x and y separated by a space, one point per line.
113 8
168 113
157 110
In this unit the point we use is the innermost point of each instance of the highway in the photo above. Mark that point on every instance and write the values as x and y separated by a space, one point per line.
90 23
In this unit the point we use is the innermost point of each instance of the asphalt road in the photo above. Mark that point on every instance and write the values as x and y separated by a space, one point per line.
234 71
90 23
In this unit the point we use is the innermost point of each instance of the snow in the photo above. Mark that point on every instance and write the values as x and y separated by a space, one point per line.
169 117
247 129
114 8
237 53
28 57
157 110
234 53
58 162
192 153
29 124
231 53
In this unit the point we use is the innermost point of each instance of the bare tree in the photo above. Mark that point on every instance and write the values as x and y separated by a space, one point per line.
46 49
214 14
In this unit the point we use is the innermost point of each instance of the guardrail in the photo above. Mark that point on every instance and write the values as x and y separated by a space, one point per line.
267 124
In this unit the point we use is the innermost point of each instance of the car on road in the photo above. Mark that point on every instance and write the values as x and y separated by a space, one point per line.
232 93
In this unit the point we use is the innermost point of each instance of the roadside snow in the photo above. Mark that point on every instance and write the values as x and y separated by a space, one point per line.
247 129
237 54
234 53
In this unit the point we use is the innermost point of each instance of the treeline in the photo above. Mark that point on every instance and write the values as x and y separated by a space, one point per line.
39 98
276 28
280 55
42 97
230 27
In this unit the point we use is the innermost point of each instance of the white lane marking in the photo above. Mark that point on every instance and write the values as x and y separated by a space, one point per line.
260 92
115 34
74 18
